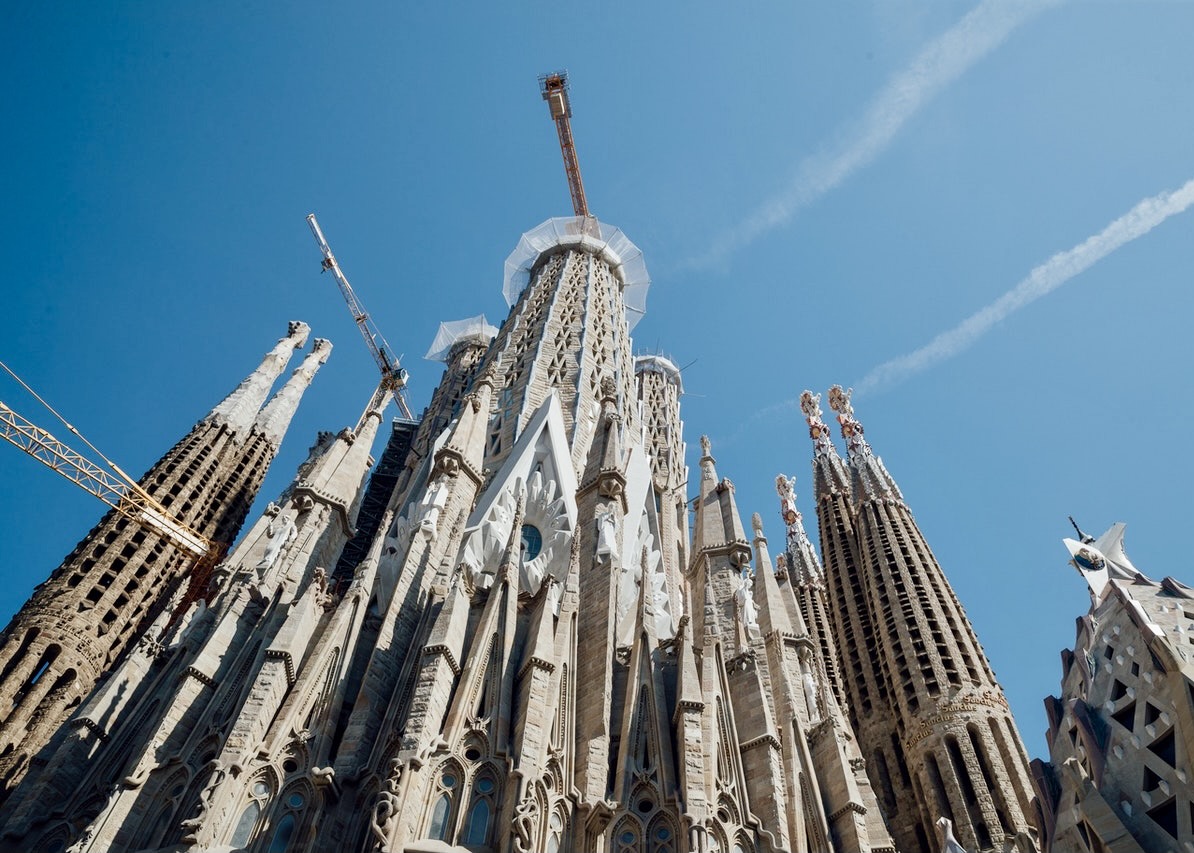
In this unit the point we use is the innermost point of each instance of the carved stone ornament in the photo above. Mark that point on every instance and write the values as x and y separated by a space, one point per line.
433 502
744 608
279 533
607 532
839 401
787 499
546 538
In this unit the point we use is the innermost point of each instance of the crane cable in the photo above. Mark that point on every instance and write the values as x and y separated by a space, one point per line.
123 476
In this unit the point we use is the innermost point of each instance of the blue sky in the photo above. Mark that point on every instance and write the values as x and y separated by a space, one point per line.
818 188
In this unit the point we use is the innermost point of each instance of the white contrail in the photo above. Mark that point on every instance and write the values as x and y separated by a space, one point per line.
945 59
1049 276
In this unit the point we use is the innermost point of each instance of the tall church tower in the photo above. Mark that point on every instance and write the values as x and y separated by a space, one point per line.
94 606
935 727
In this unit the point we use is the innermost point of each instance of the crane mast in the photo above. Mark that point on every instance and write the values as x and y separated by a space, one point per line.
393 376
554 88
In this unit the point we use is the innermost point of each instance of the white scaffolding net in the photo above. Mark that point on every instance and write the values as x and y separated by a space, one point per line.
606 241
659 364
454 331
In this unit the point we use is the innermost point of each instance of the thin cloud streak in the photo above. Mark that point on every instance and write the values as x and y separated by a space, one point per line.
945 59
1047 277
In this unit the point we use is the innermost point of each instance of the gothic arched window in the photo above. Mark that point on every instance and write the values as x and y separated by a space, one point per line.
627 837
283 833
481 809
246 825
661 835
291 805
441 812
555 832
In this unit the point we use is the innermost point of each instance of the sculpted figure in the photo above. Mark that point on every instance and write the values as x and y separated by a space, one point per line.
430 507
665 626
607 535
280 532
748 614
810 688
485 545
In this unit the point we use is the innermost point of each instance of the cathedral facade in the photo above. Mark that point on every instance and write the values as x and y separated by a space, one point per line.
537 630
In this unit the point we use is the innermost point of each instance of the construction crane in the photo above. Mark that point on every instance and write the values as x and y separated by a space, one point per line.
554 88
118 491
393 376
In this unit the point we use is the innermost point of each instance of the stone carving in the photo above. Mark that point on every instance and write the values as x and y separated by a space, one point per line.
744 608
839 401
784 486
526 815
544 511
810 686
398 537
629 579
280 532
433 502
949 844
385 812
665 625
607 532
485 545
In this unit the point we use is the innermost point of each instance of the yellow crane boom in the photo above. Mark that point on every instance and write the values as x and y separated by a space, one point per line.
120 493
393 376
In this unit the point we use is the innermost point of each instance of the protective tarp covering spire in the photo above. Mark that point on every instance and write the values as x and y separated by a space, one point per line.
584 232
452 332
659 364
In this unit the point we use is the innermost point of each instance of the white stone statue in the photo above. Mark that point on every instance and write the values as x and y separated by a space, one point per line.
486 543
748 614
628 584
949 844
280 532
810 688
607 532
665 626
433 503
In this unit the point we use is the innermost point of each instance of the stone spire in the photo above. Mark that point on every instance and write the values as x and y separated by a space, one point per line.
721 557
773 612
275 417
871 480
240 408
830 476
944 722
849 611
110 589
806 580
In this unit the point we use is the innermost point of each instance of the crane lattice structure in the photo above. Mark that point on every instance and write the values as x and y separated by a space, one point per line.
119 491
554 88
393 376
